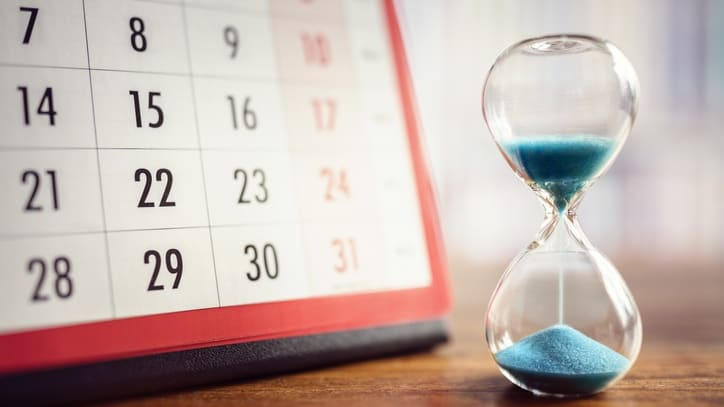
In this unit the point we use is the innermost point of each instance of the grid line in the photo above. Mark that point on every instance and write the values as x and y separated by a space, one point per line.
100 181
201 154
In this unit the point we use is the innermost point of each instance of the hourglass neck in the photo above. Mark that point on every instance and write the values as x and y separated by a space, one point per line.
560 231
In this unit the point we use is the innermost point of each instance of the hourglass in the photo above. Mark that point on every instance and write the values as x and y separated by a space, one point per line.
561 321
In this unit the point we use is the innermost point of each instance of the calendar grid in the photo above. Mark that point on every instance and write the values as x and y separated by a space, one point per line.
320 132
98 166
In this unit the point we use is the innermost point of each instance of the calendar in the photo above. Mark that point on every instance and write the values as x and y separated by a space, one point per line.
209 176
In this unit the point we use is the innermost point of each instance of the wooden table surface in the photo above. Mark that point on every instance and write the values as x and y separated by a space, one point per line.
681 361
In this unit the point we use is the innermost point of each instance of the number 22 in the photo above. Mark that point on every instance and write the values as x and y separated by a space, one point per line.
160 174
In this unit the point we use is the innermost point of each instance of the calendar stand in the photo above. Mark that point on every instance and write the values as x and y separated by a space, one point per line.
218 364
206 190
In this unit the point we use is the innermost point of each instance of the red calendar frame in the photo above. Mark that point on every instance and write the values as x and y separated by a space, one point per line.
139 336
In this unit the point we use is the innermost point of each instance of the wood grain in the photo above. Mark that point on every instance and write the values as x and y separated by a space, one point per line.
681 362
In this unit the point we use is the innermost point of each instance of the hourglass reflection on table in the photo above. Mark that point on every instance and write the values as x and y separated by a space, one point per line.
561 321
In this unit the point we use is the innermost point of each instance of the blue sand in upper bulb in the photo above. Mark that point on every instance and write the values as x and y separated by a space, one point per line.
562 360
560 165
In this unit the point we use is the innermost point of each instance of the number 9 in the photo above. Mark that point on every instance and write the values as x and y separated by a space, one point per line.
231 37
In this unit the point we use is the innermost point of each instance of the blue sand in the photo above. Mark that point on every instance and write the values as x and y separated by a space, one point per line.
562 360
560 165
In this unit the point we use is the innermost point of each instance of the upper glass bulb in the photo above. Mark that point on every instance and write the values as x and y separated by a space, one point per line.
565 94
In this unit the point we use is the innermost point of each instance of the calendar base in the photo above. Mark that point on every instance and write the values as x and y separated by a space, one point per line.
135 376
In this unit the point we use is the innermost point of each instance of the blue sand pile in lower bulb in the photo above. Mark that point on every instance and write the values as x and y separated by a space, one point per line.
563 361
560 165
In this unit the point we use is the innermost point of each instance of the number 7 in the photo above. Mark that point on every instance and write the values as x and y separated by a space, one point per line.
31 22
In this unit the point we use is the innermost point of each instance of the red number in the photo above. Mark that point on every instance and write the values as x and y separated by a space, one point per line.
337 185
346 254
316 49
325 113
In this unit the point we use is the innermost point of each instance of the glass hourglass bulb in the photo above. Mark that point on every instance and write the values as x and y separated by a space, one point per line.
561 320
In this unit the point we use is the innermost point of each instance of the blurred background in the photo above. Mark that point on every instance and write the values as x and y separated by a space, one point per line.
661 202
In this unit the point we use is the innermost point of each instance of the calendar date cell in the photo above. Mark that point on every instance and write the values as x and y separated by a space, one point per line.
347 257
53 281
399 209
152 189
162 271
323 118
48 33
384 125
338 186
260 7
136 36
249 188
49 192
406 260
143 110
258 264
372 57
316 10
240 115
45 107
313 53
364 13
230 44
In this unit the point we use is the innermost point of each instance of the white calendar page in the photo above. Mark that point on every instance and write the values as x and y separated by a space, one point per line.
165 156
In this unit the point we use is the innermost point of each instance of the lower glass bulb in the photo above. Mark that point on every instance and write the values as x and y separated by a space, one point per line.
561 321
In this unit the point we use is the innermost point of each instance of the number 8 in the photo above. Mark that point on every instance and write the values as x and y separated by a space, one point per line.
137 27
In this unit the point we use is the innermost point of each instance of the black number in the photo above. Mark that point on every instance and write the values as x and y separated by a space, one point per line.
63 284
38 264
61 267
269 253
137 109
268 248
248 116
174 265
31 22
231 37
262 194
258 173
167 189
33 177
45 106
142 202
152 286
160 175
138 40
